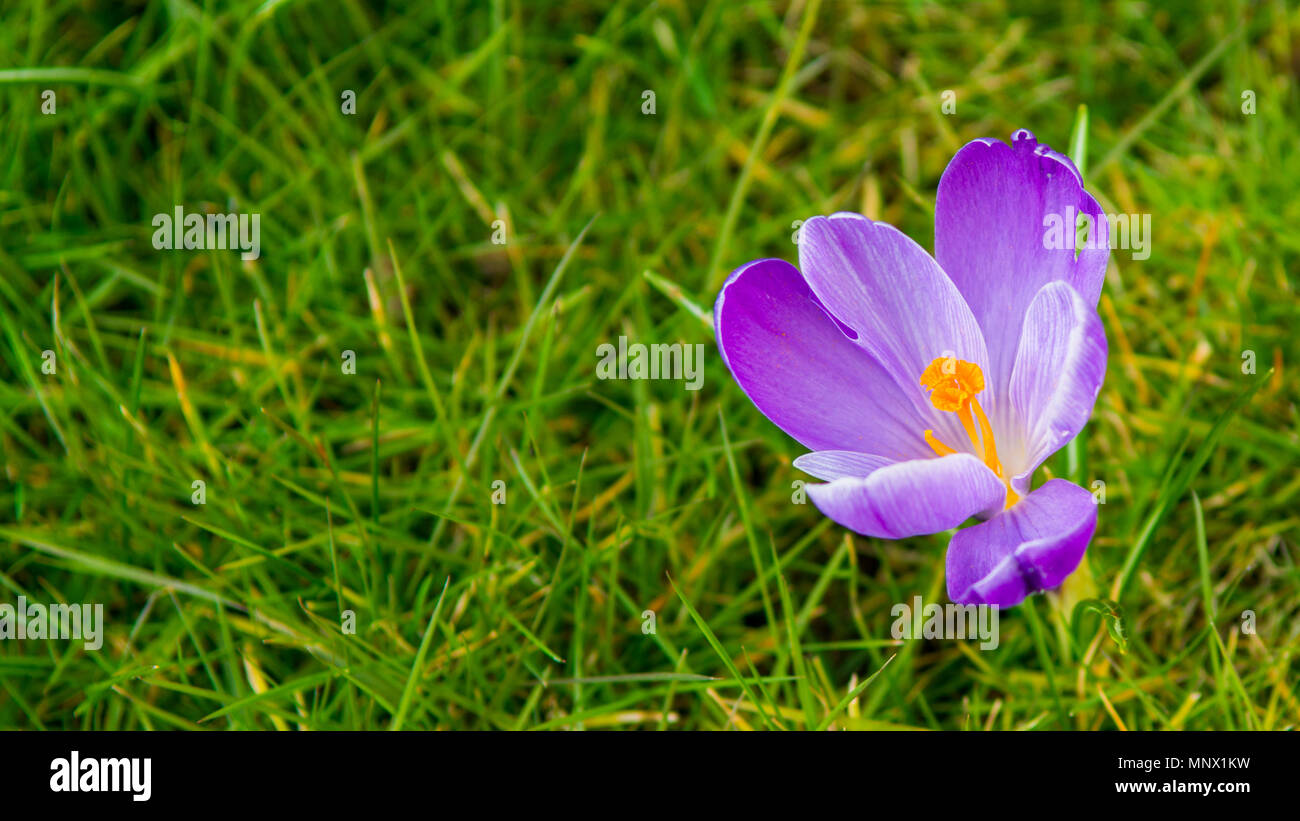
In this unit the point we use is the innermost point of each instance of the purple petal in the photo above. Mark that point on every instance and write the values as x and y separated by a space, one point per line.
1031 547
802 371
990 236
911 498
829 465
894 296
1057 376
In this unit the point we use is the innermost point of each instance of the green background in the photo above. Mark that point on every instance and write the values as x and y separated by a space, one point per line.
475 362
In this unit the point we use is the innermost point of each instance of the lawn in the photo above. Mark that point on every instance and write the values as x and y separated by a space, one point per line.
372 478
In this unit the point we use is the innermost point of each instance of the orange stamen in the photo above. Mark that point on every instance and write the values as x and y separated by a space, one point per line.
986 431
963 416
952 384
939 447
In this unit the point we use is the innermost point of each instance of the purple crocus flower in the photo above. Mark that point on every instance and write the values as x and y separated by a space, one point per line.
929 389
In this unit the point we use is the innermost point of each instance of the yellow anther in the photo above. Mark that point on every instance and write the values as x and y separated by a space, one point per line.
952 384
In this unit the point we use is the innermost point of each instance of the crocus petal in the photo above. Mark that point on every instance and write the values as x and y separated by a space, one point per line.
803 372
829 465
991 229
904 309
1057 376
911 498
1030 547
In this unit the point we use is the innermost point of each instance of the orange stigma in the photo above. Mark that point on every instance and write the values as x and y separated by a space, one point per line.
952 384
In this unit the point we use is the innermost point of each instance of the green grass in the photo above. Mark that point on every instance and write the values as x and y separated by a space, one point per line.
475 362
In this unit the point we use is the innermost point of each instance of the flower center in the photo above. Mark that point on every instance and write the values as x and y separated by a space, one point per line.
952 384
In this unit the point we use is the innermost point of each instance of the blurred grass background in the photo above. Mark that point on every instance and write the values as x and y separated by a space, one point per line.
475 362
